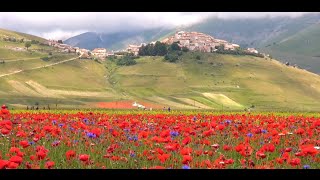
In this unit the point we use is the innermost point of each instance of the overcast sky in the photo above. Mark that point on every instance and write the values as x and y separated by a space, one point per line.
62 25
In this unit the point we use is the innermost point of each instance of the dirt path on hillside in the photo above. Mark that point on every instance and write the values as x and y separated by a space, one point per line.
25 59
39 67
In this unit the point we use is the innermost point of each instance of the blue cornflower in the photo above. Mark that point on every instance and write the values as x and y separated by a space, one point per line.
132 154
249 134
54 122
75 141
264 131
227 121
56 142
174 133
135 138
185 167
126 130
71 128
85 120
130 138
91 135
31 143
194 118
60 125
306 166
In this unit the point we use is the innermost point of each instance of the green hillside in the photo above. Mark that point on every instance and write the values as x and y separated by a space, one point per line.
214 82
301 48
19 35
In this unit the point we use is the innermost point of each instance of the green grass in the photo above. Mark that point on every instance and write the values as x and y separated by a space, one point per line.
301 48
246 80
19 35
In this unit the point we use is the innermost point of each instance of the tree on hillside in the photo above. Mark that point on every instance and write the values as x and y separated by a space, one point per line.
185 49
160 49
174 47
27 44
60 41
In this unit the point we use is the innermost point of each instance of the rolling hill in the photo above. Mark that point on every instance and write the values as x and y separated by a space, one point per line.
287 39
279 36
217 82
213 81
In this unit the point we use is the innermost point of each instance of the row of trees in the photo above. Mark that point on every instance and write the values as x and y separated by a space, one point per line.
238 51
20 40
126 60
171 52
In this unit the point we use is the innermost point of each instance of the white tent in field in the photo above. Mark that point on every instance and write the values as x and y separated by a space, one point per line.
135 104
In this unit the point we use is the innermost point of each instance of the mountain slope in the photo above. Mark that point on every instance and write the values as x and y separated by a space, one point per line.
214 82
283 37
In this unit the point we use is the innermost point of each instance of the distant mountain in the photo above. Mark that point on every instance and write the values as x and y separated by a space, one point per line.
288 39
295 40
254 32
116 41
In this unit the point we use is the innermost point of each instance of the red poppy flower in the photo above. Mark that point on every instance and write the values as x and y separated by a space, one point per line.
163 157
295 162
12 165
5 131
24 144
227 147
49 164
16 159
41 154
70 154
186 140
3 164
186 159
309 150
84 157
186 151
300 131
261 155
288 149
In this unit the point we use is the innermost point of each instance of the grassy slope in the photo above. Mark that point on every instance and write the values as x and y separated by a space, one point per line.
215 81
230 80
19 35
301 48
263 83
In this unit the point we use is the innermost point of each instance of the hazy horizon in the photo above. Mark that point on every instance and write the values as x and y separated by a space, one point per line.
63 25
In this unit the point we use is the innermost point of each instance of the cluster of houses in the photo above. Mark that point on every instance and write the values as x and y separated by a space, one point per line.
194 41
100 53
134 49
62 47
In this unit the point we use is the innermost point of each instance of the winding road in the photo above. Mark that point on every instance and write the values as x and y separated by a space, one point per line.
39 67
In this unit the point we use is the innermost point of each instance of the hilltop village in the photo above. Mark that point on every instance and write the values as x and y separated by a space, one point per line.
193 41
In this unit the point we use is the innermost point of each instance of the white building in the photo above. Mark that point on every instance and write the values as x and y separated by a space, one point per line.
99 52
134 49
252 50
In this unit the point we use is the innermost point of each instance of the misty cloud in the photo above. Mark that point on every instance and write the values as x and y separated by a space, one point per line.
62 25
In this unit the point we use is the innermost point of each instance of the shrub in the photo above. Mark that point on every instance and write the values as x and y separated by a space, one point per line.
126 61
171 57
45 58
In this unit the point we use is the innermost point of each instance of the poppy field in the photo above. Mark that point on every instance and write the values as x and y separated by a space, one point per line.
158 140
